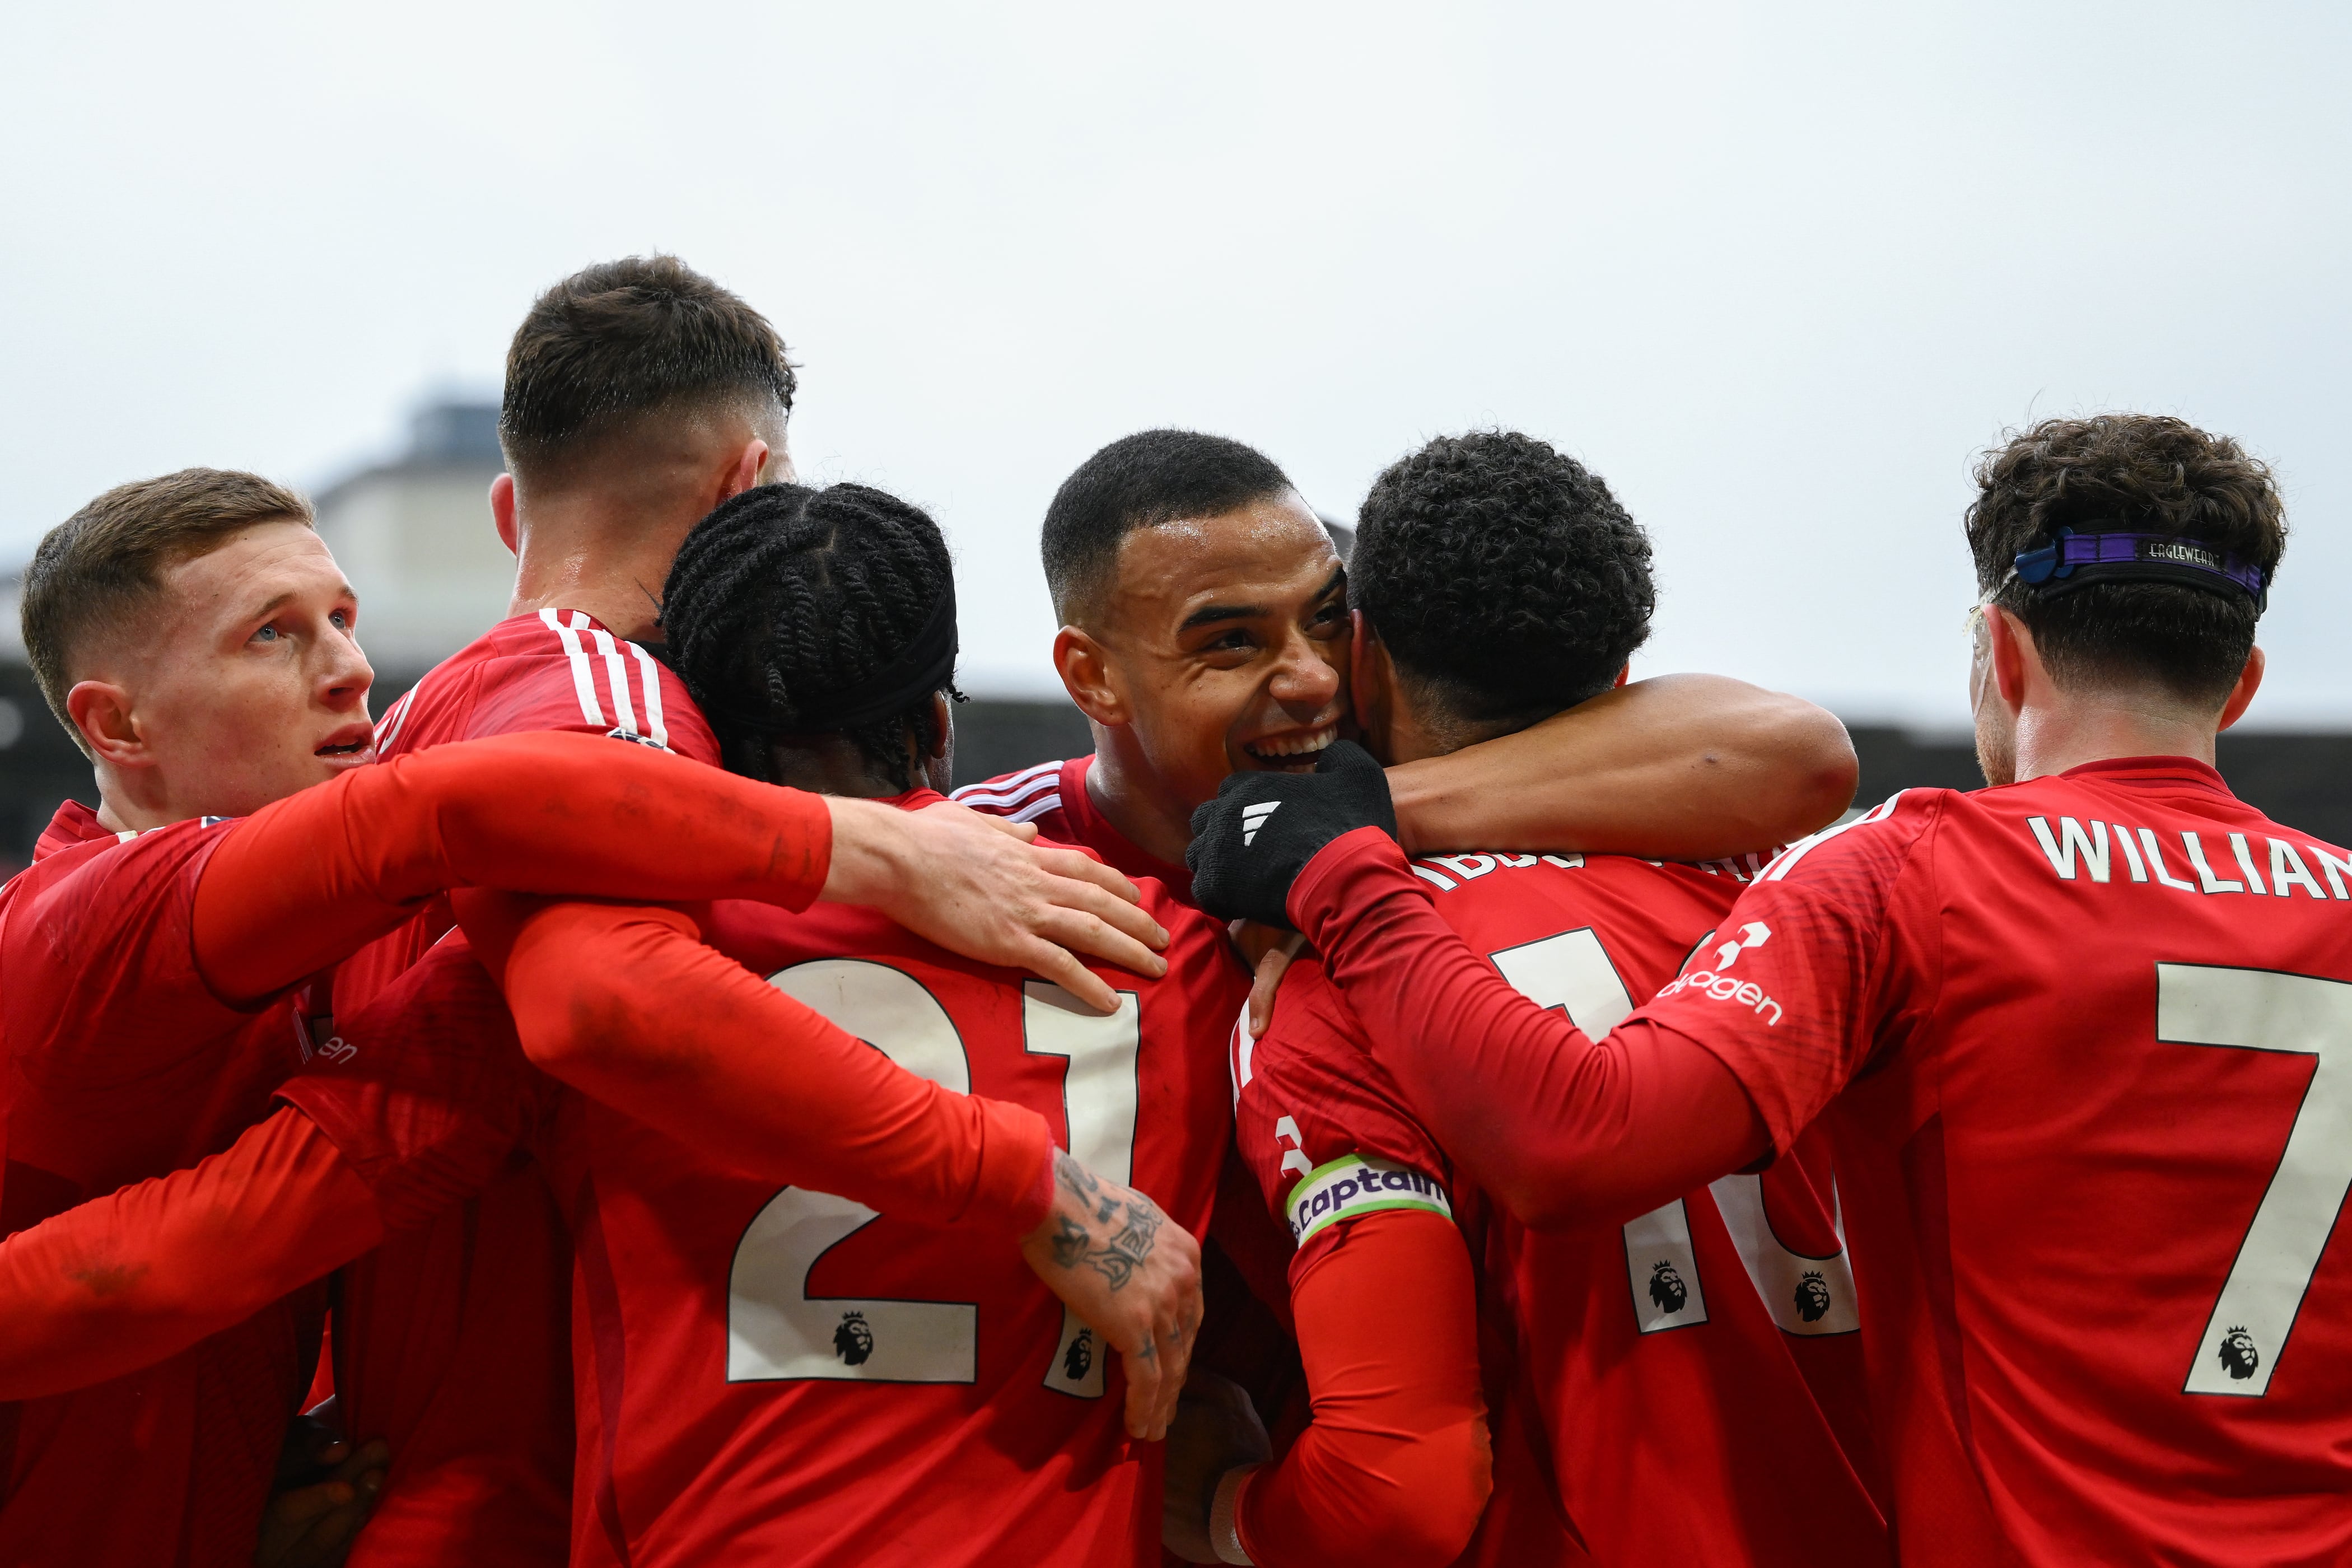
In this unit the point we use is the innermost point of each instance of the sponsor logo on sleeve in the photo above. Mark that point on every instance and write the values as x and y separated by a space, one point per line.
1716 986
1357 1184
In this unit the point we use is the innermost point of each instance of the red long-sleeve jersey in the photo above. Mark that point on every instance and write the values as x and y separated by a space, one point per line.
1693 1375
1245 1334
146 1017
781 1374
422 1099
450 1341
122 1064
2073 1043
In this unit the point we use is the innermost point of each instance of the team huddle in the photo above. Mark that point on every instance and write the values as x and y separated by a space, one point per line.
1396 1101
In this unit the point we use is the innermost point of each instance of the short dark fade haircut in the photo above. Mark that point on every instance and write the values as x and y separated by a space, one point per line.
2147 473
1141 481
621 339
783 596
1504 580
102 567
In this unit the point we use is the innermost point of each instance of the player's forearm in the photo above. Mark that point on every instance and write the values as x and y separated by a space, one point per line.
307 879
1679 767
1395 1466
126 1280
628 1006
1560 1128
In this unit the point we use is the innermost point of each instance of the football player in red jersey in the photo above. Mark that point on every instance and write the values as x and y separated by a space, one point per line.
768 1372
1650 1380
1205 631
2076 1039
196 638
639 395
780 1376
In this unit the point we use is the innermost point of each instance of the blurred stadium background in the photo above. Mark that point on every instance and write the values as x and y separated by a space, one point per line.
414 534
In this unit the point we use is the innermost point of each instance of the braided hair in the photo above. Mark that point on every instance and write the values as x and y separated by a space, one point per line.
784 597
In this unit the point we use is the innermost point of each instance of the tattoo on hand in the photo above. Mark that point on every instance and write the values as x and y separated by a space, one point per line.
1082 1183
1084 1186
1127 1250
1131 1248
1069 1242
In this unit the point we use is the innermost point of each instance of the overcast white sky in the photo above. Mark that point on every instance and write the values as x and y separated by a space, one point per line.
1776 272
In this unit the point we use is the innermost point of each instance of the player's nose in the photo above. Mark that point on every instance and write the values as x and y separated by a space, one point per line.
1304 680
347 676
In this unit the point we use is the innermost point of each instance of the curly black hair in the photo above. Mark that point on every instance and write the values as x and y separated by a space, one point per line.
786 595
1502 575
2128 472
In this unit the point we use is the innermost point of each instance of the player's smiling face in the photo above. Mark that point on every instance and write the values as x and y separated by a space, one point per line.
252 686
1228 637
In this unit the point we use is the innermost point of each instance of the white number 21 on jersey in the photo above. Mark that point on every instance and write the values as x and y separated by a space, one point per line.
776 1330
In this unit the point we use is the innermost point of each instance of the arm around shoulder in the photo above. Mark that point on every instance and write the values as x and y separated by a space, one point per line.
1678 767
628 1005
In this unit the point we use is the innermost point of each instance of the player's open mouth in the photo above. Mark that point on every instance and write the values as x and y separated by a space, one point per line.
353 745
1293 752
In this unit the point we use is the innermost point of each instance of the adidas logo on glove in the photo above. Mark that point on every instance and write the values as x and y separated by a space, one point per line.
1246 850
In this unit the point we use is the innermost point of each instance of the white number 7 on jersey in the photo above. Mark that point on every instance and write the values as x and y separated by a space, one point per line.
2262 1010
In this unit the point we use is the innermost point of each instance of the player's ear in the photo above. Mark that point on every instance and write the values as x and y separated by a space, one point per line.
741 474
100 711
1368 677
943 726
2250 681
935 766
1087 676
503 513
2012 655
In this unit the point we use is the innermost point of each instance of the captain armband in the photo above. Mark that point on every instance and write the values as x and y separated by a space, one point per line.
1357 1184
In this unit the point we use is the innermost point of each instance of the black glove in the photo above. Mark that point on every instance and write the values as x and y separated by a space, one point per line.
1251 842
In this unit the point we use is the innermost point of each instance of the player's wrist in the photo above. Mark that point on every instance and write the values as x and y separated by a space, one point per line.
1342 878
1224 1514
871 856
1017 1168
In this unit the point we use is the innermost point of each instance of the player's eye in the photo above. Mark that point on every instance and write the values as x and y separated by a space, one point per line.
266 635
340 620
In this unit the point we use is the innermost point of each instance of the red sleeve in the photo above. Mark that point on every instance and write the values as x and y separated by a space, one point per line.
126 1280
1558 1129
307 879
1813 973
628 1005
425 1089
1395 1465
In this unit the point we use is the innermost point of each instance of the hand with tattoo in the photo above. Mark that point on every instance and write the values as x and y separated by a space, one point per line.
1135 1279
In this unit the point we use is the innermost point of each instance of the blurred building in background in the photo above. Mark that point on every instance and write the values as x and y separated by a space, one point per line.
415 538
415 535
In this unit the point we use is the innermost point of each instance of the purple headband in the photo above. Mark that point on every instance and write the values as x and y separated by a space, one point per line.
2077 560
